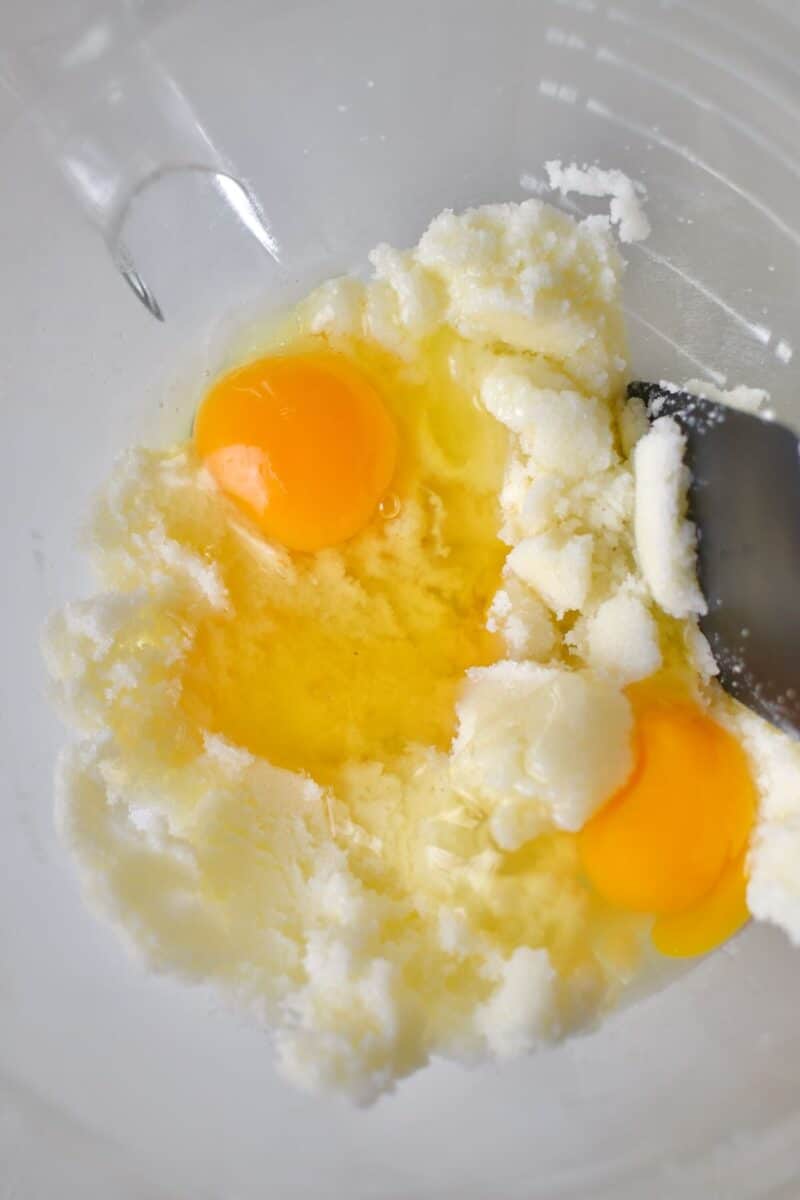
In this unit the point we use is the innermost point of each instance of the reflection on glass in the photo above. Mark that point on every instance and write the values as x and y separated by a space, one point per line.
114 121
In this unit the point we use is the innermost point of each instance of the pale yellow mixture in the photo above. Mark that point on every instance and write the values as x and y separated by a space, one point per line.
344 786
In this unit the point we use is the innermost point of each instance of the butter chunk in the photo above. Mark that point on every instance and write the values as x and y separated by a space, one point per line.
665 539
560 737
560 569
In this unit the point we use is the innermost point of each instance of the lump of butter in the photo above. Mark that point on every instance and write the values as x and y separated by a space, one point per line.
560 431
558 568
665 539
558 737
620 638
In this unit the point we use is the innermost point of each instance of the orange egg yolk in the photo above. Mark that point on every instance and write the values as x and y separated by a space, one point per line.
672 840
303 444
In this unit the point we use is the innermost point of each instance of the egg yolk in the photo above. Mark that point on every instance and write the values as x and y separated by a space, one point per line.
717 917
303 444
672 840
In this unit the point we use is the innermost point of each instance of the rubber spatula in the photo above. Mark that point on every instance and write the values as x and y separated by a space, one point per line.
745 501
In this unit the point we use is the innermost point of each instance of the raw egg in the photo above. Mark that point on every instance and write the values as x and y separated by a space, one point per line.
672 840
304 444
392 476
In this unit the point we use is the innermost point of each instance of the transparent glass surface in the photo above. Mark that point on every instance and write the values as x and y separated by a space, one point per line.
351 123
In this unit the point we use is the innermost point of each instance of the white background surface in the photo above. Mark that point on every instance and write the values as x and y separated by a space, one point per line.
118 1085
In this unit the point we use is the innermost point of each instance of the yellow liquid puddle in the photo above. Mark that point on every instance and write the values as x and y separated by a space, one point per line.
355 652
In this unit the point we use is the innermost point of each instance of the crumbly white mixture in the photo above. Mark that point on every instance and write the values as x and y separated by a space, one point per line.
626 209
219 866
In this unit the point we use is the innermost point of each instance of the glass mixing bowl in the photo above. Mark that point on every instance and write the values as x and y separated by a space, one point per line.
354 122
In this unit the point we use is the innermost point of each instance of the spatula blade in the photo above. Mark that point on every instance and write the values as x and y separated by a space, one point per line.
745 501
